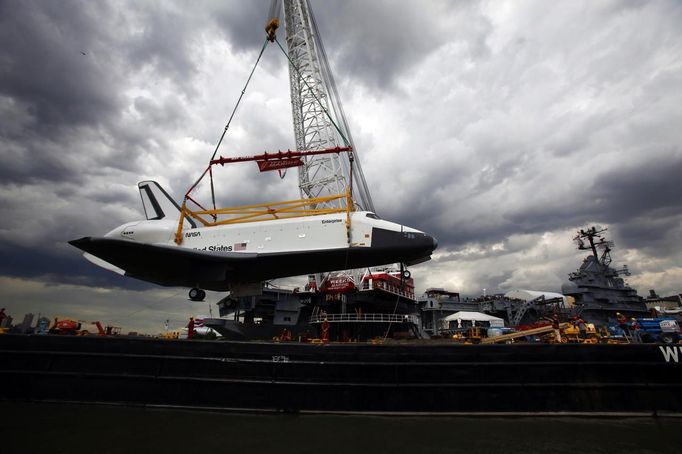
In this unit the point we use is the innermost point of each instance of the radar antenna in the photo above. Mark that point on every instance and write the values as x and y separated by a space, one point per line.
596 240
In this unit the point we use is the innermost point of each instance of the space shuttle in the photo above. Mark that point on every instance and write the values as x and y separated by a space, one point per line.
239 257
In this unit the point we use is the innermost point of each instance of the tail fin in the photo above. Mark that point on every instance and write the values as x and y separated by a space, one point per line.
158 204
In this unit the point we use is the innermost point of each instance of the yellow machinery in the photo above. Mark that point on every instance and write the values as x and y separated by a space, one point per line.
571 334
529 332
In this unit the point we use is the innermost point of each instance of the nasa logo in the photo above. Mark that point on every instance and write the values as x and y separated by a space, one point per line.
192 234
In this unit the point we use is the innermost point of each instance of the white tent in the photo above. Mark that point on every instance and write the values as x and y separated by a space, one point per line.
475 317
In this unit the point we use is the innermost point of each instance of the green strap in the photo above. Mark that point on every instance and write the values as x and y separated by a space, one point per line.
227 126
345 141
240 98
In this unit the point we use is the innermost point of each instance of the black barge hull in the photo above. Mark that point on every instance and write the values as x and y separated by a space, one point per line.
354 378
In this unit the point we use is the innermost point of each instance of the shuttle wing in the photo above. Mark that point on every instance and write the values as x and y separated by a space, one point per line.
169 265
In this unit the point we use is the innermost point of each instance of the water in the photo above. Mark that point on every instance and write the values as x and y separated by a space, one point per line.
62 428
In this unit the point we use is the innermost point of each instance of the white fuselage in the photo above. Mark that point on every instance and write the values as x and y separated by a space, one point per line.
308 233
229 256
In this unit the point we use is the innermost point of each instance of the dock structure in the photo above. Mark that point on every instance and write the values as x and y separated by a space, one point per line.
394 378
519 334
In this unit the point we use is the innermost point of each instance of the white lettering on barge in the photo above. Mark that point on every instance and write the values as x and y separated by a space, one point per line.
670 353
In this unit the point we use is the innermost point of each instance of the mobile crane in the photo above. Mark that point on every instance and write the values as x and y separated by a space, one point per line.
69 326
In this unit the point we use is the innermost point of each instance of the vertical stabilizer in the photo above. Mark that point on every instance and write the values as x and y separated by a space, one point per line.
158 204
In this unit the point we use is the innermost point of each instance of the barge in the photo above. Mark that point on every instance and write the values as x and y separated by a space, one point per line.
427 377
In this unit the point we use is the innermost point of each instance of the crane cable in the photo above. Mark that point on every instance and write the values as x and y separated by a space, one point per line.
227 126
293 65
265 43
269 38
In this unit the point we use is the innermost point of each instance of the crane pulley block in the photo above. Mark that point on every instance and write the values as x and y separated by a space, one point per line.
271 28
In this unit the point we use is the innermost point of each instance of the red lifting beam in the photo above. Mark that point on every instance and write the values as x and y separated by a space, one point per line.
279 155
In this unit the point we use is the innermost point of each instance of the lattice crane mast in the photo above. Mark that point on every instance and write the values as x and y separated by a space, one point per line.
318 116
319 120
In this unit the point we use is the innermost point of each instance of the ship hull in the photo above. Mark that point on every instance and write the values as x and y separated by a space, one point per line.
345 378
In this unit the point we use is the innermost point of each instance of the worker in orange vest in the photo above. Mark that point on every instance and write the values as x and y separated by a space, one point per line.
325 331
634 329
190 328
557 327
622 323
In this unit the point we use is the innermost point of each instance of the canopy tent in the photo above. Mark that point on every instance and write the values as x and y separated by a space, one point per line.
475 317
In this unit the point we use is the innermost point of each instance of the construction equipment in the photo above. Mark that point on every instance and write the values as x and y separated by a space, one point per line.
541 304
648 330
572 334
75 327
529 332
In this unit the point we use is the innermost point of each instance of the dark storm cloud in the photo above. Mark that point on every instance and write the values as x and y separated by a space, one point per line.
557 131
43 66
60 78
621 196
484 124
645 190
644 202
54 265
376 42
164 39
243 23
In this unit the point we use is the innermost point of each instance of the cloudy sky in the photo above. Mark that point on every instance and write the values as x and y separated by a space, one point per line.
499 127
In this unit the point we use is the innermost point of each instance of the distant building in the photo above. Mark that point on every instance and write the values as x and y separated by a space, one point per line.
43 325
664 302
436 304
25 326
6 322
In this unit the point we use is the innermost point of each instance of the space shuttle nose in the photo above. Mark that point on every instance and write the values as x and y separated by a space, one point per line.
435 243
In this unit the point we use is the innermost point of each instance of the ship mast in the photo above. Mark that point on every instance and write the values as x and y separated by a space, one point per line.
602 243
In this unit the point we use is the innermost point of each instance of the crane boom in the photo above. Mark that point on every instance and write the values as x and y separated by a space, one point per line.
315 102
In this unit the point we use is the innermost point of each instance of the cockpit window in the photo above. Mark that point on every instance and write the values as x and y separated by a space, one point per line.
372 216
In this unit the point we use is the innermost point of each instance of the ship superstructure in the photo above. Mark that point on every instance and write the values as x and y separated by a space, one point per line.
598 288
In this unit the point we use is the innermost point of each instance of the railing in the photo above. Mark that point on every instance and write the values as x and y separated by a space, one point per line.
365 318
387 287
